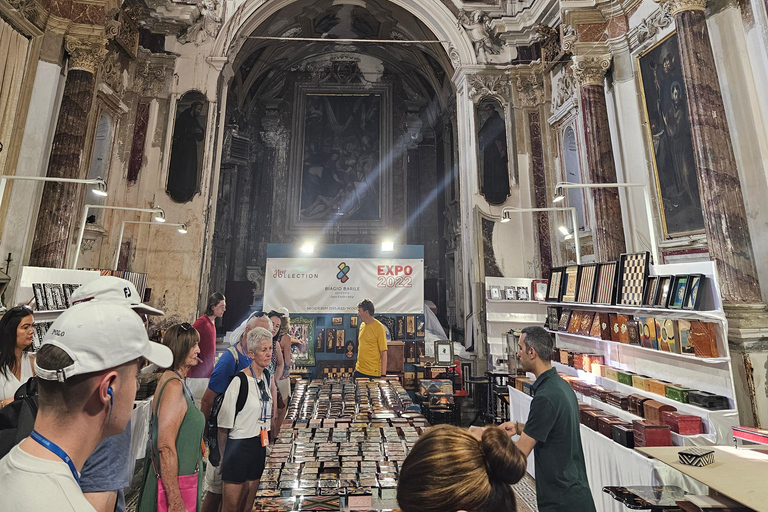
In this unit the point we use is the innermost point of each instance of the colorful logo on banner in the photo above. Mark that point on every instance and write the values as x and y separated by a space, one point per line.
343 271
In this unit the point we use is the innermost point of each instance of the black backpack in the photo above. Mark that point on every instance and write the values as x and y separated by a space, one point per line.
212 424
17 419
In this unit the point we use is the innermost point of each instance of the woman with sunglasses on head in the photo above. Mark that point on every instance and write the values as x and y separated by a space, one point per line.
176 427
16 363
244 434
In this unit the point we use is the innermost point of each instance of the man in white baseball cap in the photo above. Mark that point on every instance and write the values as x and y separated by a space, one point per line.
109 469
87 370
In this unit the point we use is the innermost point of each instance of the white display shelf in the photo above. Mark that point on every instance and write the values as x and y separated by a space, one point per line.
627 346
716 423
686 314
497 301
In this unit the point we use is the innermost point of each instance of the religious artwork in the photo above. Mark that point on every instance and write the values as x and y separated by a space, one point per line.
493 158
670 132
341 157
187 146
303 352
353 322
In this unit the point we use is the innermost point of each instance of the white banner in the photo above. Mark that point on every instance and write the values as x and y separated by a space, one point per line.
337 285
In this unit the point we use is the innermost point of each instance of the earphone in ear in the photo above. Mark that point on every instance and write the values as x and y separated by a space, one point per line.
111 395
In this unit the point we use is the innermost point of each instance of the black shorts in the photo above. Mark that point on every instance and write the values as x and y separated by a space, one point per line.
358 375
243 460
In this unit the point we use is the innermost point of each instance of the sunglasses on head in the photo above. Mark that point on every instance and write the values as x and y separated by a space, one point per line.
185 326
275 313
257 314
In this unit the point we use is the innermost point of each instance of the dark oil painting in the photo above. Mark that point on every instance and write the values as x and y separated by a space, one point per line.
493 157
670 131
341 157
187 146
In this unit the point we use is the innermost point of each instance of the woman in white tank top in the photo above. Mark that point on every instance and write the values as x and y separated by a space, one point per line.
16 363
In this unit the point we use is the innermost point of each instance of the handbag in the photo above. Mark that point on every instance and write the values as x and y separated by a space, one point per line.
187 484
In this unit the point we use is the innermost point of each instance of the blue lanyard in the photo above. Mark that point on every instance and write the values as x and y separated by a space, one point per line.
54 448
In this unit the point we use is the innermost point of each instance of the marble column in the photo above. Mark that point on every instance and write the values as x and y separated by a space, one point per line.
58 205
725 217
540 192
608 232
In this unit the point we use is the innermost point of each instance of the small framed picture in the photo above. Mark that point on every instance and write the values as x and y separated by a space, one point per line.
353 321
678 292
693 297
651 290
420 326
340 341
443 352
555 284
320 341
330 340
587 283
337 320
37 289
662 297
410 327
400 329
523 293
571 283
495 292
510 292
539 287
605 291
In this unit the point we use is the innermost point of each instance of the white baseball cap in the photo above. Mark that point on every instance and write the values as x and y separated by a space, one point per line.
113 289
99 336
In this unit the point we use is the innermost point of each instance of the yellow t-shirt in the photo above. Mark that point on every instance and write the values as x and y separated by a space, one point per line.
372 339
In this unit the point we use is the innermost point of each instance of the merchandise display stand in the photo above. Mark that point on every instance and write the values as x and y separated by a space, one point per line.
503 315
711 374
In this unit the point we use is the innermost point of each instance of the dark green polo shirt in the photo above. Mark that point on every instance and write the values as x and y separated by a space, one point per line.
561 476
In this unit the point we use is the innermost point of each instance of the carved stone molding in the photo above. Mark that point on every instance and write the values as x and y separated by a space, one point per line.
256 276
564 88
453 54
651 25
591 69
27 8
481 86
568 37
413 125
111 72
150 77
676 6
530 89
205 26
85 53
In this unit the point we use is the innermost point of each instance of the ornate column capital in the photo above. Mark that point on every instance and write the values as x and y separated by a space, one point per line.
496 86
85 53
591 69
676 6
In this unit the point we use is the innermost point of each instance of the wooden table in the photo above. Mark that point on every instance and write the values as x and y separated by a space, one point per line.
740 474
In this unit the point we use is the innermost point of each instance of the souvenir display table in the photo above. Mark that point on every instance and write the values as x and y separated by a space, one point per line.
341 447
738 473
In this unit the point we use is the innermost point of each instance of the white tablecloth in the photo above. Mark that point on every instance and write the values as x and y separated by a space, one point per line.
140 427
610 464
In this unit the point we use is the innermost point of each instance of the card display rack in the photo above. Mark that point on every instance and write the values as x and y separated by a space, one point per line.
710 374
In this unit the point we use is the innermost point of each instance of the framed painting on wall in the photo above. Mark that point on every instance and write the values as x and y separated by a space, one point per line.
669 133
340 157
303 329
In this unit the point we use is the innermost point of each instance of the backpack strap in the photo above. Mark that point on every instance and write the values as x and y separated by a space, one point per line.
232 350
242 395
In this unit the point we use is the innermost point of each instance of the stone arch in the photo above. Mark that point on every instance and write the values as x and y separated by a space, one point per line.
432 13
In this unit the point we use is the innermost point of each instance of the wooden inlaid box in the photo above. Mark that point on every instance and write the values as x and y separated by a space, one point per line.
624 434
658 386
653 410
605 425
563 356
649 433
707 400
625 377
578 361
640 382
636 404
599 369
623 330
678 393
612 374
590 418
614 323
619 400
683 424
589 359
601 326
704 339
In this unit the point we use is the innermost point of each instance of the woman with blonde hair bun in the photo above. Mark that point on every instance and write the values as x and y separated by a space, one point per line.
450 470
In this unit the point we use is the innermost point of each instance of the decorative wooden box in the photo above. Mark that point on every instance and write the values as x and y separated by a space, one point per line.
590 418
683 424
590 359
678 393
625 377
611 373
636 404
605 425
653 410
649 433
619 400
624 434
599 369
704 339
696 457
640 382
658 386
707 400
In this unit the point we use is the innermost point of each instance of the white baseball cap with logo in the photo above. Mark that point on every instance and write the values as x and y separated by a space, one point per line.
113 289
99 336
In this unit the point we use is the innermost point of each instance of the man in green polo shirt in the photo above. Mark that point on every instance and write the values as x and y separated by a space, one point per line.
552 431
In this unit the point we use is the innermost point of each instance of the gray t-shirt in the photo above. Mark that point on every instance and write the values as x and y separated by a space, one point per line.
108 467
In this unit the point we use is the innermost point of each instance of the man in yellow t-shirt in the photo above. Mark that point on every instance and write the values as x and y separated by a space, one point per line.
372 344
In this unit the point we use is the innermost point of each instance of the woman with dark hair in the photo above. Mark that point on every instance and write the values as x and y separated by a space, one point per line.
176 427
16 363
450 470
206 326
